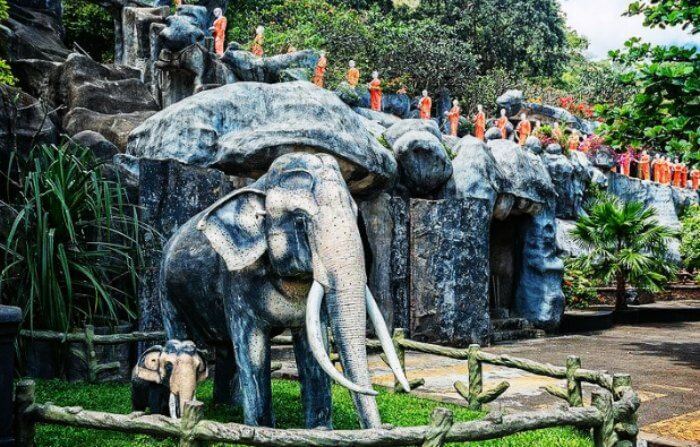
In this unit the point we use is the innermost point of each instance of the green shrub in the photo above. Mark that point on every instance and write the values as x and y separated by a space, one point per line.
91 26
6 77
72 252
690 239
578 288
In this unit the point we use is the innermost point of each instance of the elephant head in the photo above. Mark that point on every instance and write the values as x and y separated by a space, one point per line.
301 219
179 366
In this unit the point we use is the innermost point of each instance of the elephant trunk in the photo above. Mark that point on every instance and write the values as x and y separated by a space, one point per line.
183 384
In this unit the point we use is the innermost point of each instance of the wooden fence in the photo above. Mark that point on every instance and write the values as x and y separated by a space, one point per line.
612 415
88 355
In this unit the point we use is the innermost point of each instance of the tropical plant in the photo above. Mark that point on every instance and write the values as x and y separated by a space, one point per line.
6 77
664 110
90 25
690 239
579 289
625 244
72 252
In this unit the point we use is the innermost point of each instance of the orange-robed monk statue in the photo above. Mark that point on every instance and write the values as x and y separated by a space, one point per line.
695 178
644 165
320 71
257 48
480 122
453 117
424 106
375 92
218 30
677 173
524 129
353 75
502 124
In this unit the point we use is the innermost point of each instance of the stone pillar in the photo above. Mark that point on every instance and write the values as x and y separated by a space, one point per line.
449 270
386 227
170 193
136 37
10 319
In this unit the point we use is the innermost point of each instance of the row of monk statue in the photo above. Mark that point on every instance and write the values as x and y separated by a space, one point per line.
664 170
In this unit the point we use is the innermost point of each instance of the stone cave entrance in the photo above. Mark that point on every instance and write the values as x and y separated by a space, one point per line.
505 260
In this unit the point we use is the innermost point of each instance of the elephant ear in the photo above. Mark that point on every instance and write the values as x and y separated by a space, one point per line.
147 368
234 226
202 369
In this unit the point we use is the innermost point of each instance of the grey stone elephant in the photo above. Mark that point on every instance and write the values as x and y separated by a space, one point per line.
165 377
263 259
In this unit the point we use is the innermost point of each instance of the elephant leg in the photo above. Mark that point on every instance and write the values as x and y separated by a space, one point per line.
251 345
225 376
315 384
172 319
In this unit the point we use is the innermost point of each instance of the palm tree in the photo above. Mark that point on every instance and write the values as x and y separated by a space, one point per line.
625 244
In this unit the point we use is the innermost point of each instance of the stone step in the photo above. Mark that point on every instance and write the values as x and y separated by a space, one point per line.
509 324
517 334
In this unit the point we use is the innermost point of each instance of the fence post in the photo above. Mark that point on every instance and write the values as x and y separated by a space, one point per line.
573 385
604 435
476 381
398 335
10 319
440 424
90 354
24 425
191 415
626 429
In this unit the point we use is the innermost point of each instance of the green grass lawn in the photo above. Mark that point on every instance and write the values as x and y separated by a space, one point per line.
396 409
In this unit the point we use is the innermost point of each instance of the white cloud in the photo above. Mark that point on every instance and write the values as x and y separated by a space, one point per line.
602 23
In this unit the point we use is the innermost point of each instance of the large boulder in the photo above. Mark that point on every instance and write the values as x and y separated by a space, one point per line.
34 75
241 128
82 82
384 119
397 130
33 31
423 162
115 127
23 121
248 67
561 171
103 149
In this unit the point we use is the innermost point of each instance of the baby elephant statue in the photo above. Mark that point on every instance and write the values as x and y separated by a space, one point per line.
267 258
166 377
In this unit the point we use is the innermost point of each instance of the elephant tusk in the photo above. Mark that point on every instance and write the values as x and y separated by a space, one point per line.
313 333
382 332
173 404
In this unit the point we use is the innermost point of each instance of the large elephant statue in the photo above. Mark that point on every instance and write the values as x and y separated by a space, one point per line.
264 259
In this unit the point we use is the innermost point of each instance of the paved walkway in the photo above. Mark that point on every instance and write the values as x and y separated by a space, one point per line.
663 359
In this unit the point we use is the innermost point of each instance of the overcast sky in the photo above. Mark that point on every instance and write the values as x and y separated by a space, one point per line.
601 22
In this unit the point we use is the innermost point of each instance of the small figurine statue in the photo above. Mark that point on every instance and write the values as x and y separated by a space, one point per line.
695 178
257 48
684 175
353 75
502 124
424 106
574 140
524 129
677 173
656 168
666 171
453 117
556 132
643 166
480 123
320 70
375 92
218 30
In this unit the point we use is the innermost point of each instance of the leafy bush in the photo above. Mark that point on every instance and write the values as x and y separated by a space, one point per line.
72 253
578 288
664 110
437 45
626 244
690 238
91 26
6 77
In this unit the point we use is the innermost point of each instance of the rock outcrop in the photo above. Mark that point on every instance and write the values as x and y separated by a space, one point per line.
241 128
